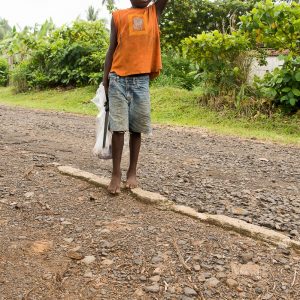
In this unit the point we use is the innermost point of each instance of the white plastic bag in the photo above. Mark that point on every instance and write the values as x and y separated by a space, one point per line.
100 151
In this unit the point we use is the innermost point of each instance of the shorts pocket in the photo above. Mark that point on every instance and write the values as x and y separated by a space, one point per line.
142 82
112 78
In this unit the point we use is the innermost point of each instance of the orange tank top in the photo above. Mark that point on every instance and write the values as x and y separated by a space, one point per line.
138 50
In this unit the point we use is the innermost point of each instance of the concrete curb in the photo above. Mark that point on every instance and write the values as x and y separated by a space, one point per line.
228 223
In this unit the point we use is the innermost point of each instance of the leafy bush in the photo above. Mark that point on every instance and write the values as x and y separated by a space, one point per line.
20 77
283 84
68 56
223 62
274 24
277 25
176 71
187 18
4 71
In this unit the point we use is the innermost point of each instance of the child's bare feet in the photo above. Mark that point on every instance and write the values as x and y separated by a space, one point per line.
131 182
115 185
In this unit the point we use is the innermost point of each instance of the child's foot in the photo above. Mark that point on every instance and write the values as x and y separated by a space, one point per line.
115 185
131 182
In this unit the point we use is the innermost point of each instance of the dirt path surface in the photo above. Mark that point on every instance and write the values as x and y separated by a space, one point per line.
251 180
62 238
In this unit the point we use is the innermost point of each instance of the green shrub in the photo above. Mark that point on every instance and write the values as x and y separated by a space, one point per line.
176 72
223 62
274 24
68 56
283 84
4 72
20 77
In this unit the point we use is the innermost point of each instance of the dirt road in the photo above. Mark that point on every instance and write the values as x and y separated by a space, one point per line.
62 238
251 180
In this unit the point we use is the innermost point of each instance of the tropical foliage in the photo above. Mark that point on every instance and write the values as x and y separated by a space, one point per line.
187 18
207 45
4 71
277 25
4 28
223 63
67 56
92 14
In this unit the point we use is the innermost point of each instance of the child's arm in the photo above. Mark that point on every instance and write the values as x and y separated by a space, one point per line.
109 55
160 6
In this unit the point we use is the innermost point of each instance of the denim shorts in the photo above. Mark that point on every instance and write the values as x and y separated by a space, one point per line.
129 103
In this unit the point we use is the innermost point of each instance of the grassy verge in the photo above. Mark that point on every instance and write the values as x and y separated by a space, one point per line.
169 106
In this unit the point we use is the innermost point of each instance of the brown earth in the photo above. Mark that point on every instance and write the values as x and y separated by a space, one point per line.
252 180
62 238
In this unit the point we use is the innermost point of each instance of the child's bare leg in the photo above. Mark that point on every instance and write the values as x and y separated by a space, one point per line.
134 146
117 148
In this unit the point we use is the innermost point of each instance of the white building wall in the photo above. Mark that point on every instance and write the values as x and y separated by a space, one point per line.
272 63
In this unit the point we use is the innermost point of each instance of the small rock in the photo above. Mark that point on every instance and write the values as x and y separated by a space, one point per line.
196 267
249 269
155 278
231 283
143 278
138 293
219 268
107 262
88 259
285 251
104 231
66 223
171 290
201 278
246 257
239 211
207 275
99 224
211 282
152 288
137 261
221 275
263 159
74 255
88 274
181 242
47 276
42 246
29 195
156 259
157 271
267 296
189 291
68 240
294 232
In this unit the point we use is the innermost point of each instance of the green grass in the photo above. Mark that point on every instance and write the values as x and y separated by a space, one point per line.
171 106
75 100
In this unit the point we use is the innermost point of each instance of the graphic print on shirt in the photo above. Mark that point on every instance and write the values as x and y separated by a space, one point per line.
137 25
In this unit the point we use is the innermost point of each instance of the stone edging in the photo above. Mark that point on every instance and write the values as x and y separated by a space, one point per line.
228 223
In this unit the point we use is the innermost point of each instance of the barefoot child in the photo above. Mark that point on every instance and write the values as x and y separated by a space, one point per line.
133 58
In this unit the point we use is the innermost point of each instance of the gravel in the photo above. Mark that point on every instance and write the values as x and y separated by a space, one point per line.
251 180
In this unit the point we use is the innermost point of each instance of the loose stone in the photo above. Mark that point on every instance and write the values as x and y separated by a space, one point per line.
152 288
231 283
189 291
212 282
88 259
155 278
